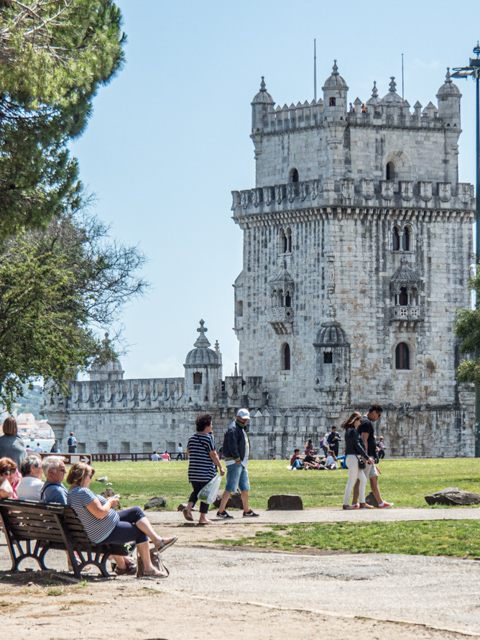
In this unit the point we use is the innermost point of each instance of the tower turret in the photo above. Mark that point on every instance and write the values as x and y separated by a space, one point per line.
202 371
449 102
335 96
262 103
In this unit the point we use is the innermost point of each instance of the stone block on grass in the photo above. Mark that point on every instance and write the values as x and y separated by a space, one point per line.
285 502
453 496
234 502
156 503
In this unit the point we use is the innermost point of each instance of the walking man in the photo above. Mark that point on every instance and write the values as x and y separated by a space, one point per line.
236 449
72 443
366 432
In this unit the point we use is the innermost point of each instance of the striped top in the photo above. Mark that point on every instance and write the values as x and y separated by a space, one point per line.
97 529
201 467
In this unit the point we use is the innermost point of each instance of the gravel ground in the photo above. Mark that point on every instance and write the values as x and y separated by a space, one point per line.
214 590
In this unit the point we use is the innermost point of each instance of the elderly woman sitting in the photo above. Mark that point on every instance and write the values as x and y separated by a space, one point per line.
9 478
103 524
31 483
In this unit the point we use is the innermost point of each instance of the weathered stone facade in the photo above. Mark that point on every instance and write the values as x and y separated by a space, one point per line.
357 251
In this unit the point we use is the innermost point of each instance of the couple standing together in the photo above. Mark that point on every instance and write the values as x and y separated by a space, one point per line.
360 446
203 460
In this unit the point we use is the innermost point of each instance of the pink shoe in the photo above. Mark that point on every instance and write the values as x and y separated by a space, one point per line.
385 505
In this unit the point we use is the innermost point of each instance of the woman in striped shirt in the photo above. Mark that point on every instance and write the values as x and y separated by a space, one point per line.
203 460
103 524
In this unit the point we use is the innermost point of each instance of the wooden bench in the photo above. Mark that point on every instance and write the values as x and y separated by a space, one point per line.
31 529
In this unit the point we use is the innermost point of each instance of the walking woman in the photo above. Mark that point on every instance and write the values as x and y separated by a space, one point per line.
354 449
203 460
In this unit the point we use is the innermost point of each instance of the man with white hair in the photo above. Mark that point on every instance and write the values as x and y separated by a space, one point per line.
236 449
31 483
53 489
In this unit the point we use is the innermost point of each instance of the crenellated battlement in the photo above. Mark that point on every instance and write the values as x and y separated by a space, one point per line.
402 194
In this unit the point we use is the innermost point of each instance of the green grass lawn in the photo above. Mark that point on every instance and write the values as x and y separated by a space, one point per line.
404 481
433 538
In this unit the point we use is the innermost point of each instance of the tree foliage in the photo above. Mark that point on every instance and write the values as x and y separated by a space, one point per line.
56 288
467 329
53 57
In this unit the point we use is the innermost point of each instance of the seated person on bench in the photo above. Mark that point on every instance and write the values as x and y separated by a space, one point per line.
9 478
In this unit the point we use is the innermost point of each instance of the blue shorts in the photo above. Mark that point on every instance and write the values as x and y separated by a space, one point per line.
237 478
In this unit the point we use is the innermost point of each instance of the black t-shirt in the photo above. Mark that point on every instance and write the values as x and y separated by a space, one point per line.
367 427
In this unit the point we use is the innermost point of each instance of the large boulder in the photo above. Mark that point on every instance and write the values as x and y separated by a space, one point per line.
453 496
234 502
285 502
156 503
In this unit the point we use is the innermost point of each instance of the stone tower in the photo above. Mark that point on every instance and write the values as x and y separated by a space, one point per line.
357 246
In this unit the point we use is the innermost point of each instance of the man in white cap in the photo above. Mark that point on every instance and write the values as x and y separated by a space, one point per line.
236 448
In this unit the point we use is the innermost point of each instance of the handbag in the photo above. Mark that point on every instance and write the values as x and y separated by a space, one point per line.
361 462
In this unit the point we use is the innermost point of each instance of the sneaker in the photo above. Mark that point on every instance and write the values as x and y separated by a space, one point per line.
385 505
356 506
224 515
348 507
250 514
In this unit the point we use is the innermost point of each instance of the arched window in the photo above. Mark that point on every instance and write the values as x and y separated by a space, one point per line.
282 242
286 358
288 301
332 102
197 378
289 241
396 239
239 307
294 175
406 239
402 356
390 171
403 297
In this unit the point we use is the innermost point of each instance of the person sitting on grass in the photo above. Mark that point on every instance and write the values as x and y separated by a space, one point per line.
331 461
295 460
103 524
310 462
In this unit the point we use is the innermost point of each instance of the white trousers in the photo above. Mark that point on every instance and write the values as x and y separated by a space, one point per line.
354 474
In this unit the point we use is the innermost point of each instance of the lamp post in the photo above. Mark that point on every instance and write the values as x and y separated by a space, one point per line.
473 70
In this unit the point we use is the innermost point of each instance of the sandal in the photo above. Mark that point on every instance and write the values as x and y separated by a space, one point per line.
154 573
130 570
164 545
187 515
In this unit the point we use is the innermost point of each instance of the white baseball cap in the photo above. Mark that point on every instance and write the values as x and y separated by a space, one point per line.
244 414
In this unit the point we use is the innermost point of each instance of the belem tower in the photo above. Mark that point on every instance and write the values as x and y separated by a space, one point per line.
357 245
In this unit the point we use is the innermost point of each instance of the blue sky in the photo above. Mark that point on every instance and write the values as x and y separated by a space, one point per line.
169 137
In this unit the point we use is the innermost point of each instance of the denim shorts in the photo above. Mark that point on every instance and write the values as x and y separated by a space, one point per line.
237 478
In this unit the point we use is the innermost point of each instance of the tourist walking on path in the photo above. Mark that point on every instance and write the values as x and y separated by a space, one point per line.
236 449
11 444
355 449
366 432
72 443
202 467
103 524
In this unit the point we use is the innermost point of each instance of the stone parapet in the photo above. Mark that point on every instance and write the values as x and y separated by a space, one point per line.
404 194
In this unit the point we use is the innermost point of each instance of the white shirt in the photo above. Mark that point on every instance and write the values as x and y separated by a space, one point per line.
29 488
38 449
331 460
155 457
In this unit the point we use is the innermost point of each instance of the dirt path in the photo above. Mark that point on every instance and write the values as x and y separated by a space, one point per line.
216 591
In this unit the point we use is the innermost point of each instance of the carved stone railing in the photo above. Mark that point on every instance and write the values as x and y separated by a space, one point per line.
364 192
281 319
406 314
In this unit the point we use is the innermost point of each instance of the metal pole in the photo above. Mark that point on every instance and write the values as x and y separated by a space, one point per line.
477 235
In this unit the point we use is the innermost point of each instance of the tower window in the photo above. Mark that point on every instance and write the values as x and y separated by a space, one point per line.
332 102
288 301
390 172
294 175
286 358
239 309
403 297
396 239
406 239
197 378
327 357
402 356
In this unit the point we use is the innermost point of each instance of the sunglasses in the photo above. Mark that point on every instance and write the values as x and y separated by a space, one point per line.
89 475
8 473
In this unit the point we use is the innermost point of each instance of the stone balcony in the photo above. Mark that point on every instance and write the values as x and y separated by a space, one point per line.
406 314
362 193
281 319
